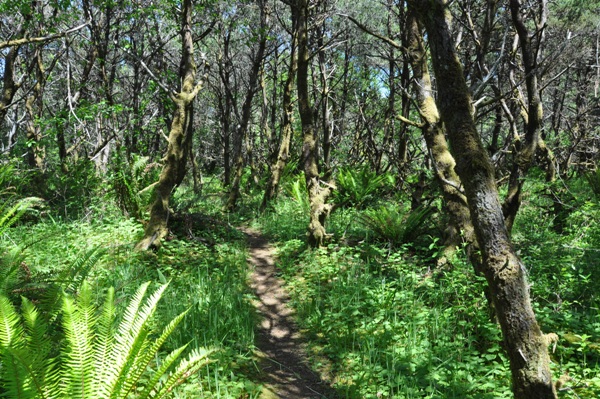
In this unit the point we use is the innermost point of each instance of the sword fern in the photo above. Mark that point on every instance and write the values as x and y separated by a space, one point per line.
99 358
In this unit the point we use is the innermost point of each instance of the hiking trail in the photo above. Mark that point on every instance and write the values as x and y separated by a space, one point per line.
284 367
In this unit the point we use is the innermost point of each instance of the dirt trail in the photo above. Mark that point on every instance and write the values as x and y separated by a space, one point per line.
284 368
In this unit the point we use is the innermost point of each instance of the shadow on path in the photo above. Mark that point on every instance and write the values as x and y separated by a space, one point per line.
286 368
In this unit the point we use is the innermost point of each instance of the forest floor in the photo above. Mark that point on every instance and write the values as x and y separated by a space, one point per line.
285 371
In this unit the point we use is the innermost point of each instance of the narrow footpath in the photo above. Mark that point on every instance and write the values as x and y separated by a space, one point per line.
285 367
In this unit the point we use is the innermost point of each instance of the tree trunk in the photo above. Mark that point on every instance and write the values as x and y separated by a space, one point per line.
326 121
526 345
455 202
35 152
226 106
533 117
286 126
242 130
317 195
174 168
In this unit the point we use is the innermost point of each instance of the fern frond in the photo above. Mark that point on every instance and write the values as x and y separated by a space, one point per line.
70 279
80 269
15 371
40 365
11 331
390 224
153 382
10 216
78 358
142 362
187 367
103 345
139 165
131 337
10 262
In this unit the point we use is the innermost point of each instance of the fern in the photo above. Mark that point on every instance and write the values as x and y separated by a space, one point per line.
359 187
296 189
77 357
53 286
389 224
16 371
130 178
98 360
10 214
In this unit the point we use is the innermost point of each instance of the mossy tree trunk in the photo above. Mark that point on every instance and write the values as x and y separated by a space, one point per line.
317 193
532 113
283 151
179 140
460 226
526 345
241 132
36 153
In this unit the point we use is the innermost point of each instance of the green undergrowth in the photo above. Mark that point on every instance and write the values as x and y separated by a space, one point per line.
383 322
204 261
392 329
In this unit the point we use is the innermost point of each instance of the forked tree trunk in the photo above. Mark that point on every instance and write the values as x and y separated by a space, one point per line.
283 152
533 117
242 130
460 226
526 345
317 194
174 168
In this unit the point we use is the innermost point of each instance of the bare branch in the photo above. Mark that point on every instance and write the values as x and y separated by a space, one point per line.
365 29
41 39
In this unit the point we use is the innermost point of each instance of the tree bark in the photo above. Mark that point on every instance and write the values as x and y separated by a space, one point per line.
526 345
34 106
283 152
532 115
460 226
175 160
242 130
317 194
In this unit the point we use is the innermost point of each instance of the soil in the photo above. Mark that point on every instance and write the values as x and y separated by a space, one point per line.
284 367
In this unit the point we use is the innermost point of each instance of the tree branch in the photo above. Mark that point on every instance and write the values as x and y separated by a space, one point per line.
41 39
365 29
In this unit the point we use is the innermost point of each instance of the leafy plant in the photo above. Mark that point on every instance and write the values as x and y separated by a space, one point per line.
296 189
11 260
129 181
593 179
359 187
390 224
11 213
97 359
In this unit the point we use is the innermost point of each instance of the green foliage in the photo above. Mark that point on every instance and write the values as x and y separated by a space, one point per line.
593 178
129 180
386 328
12 180
98 358
11 213
76 193
388 223
564 277
360 187
296 189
